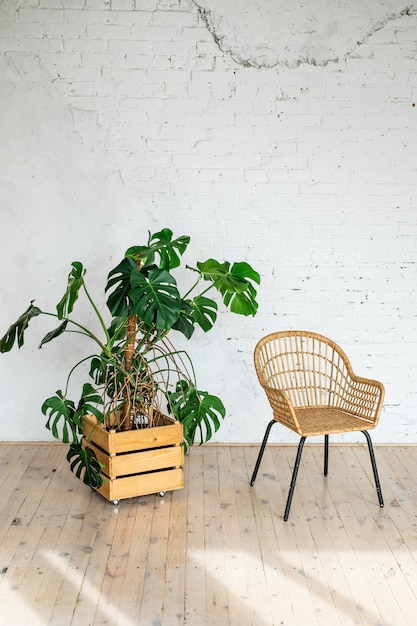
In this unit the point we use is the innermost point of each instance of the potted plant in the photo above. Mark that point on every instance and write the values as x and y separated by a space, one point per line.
141 406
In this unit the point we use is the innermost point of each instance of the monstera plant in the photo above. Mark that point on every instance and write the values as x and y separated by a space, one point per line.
135 371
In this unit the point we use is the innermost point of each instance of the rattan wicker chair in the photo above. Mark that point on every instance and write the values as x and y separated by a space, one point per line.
312 390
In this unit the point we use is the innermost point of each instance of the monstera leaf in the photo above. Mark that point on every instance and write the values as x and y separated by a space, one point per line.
119 301
233 283
98 368
204 312
156 298
85 465
75 282
198 411
201 311
185 322
89 402
243 302
60 421
54 333
17 330
164 246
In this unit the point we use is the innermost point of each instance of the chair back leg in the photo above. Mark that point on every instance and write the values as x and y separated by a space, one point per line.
374 468
326 454
261 452
294 477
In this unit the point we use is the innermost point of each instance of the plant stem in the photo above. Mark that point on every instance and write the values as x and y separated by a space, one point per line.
103 325
75 367
196 283
84 330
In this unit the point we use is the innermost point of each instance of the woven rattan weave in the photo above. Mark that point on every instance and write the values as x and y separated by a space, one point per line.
312 390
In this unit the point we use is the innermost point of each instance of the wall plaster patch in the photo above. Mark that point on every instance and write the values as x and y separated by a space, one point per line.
269 33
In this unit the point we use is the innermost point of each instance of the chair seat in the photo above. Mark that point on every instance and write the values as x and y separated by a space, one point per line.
315 421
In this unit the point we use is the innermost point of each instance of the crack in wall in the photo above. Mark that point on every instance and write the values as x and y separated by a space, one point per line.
268 33
407 11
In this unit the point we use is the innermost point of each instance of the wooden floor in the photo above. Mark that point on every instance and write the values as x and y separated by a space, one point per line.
216 552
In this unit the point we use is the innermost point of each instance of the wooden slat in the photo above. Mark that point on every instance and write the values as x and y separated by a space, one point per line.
119 442
237 576
138 462
310 573
153 568
211 554
134 574
256 569
142 484
173 610
195 570
267 499
112 589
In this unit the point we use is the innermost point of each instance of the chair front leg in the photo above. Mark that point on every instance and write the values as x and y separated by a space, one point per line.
261 452
374 468
294 477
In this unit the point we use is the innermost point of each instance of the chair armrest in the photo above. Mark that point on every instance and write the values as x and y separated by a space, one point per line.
362 397
282 408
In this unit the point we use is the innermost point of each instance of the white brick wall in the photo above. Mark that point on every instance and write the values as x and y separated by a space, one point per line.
122 115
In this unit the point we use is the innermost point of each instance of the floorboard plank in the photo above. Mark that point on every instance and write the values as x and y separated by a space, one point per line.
195 570
213 555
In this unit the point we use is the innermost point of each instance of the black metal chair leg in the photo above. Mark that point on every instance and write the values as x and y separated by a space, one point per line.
261 451
294 477
326 454
372 455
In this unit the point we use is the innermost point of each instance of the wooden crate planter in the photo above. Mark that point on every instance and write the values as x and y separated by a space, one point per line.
138 462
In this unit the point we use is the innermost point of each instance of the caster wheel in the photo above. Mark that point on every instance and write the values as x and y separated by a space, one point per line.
115 502
161 493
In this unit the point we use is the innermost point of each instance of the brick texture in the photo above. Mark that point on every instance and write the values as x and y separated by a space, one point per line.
125 115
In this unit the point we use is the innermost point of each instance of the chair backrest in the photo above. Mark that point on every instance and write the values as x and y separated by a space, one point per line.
310 369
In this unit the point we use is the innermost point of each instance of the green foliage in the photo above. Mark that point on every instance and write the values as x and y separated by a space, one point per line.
60 421
198 411
234 284
54 333
186 320
155 297
75 281
83 462
204 312
162 245
17 329
142 288
119 301
90 402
